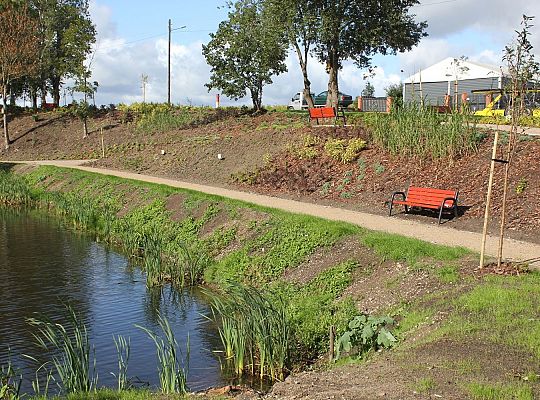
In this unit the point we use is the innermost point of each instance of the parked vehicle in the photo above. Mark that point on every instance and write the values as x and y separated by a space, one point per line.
344 100
298 102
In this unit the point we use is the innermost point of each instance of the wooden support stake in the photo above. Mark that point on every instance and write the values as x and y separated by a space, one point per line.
332 342
102 144
488 200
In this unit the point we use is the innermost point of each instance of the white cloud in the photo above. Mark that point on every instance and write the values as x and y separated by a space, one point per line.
478 29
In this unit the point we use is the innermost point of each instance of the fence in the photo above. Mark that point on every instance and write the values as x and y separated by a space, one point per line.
374 104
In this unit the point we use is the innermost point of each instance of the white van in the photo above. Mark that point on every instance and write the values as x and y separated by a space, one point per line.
298 102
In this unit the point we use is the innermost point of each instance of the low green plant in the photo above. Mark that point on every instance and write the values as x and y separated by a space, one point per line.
448 274
400 248
424 385
325 188
366 333
74 361
378 168
521 186
485 391
172 370
343 150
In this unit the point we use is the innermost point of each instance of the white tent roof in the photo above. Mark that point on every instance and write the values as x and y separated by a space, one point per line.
451 68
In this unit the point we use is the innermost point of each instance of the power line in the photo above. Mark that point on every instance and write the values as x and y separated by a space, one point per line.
120 45
436 3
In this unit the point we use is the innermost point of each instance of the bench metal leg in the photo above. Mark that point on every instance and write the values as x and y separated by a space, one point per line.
440 215
391 206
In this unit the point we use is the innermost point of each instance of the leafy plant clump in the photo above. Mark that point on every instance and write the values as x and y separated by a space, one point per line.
343 150
366 333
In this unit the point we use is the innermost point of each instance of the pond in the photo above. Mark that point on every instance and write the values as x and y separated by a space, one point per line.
43 264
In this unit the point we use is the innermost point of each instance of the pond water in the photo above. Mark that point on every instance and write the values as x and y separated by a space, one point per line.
43 264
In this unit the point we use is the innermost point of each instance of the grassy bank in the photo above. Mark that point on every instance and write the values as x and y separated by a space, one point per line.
190 238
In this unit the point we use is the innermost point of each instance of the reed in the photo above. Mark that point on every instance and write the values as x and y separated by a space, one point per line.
73 362
415 131
173 371
123 347
10 381
14 190
254 330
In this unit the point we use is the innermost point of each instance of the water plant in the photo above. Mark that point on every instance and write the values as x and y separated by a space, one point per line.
123 348
74 360
254 330
173 370
10 381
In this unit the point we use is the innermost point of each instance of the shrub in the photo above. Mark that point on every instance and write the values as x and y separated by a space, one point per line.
343 150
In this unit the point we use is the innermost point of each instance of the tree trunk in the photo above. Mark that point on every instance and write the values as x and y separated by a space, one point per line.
332 67
43 95
256 97
33 96
12 99
4 118
55 80
303 65
85 128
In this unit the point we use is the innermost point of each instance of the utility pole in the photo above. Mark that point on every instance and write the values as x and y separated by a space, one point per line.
169 67
144 81
169 62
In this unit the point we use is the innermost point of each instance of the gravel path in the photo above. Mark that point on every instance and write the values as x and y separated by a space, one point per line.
514 250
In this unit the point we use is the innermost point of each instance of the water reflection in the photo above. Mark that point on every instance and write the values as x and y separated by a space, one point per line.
42 263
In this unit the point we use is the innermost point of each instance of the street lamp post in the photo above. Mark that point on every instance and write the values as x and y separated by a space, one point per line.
169 62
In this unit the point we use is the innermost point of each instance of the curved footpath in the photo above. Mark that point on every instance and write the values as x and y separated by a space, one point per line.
513 249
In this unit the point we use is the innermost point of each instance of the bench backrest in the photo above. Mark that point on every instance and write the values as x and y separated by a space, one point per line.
322 112
430 196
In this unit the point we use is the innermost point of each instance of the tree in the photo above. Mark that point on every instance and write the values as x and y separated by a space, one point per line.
523 70
18 51
369 90
357 30
66 35
245 52
395 91
301 24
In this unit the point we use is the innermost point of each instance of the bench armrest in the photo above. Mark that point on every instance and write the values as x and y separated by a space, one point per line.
452 199
399 193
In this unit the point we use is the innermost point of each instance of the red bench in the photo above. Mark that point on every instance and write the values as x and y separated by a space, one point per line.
318 113
435 199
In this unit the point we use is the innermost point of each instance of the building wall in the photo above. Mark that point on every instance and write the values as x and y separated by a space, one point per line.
434 92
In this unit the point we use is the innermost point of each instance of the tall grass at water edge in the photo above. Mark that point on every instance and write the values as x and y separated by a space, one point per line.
414 131
172 369
254 330
75 363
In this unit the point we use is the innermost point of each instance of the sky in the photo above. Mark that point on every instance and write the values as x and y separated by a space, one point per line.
132 41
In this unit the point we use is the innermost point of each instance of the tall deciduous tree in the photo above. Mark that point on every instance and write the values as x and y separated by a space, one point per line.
300 21
18 50
357 30
245 52
66 35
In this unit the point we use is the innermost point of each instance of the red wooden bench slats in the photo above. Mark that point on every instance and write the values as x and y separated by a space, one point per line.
436 199
325 112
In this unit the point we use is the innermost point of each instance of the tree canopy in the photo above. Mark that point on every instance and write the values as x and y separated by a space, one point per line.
245 52
18 50
353 30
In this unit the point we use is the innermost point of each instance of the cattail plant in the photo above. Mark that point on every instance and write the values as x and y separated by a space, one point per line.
74 362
